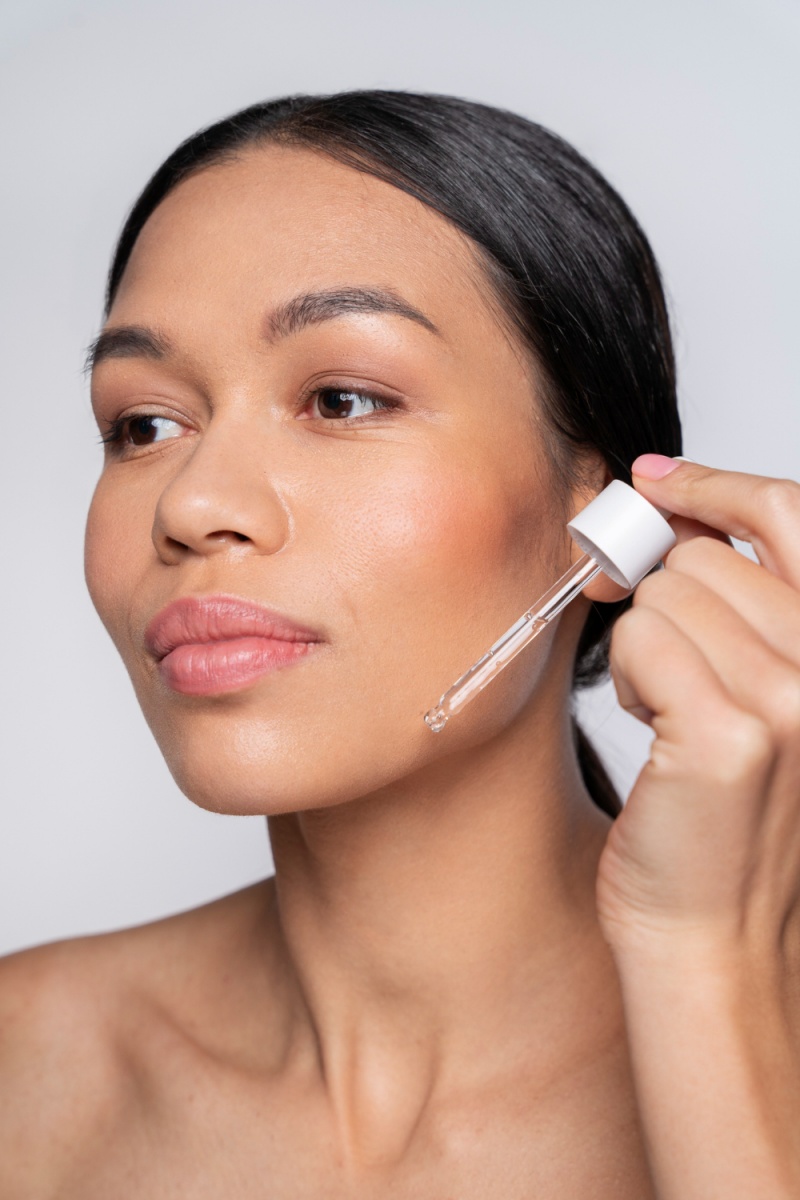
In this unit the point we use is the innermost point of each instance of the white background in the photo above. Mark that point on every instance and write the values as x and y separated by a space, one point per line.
689 106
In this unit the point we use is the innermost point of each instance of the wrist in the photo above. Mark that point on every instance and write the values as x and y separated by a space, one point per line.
703 952
702 976
712 1025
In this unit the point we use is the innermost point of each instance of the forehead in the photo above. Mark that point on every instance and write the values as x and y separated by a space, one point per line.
277 219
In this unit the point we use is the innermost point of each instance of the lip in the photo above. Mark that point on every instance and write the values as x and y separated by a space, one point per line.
206 646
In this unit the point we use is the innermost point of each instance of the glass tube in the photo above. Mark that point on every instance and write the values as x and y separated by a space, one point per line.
523 631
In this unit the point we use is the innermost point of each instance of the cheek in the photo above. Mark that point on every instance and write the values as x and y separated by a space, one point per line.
425 537
117 536
432 566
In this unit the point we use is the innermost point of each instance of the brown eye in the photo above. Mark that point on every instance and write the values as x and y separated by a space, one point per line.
145 430
338 402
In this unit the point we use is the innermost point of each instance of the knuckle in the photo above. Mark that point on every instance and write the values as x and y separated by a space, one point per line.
629 628
779 499
681 555
686 556
649 589
785 707
745 745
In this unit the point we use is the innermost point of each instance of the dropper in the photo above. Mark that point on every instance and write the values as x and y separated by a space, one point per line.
621 534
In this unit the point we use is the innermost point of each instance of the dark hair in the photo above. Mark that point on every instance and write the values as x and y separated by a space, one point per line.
568 262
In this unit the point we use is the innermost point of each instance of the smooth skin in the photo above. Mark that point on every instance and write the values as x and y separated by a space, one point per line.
464 980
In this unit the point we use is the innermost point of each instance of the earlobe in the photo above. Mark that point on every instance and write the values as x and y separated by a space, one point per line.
625 535
603 590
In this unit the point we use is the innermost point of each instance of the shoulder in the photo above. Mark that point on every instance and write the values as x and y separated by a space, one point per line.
82 1022
58 1074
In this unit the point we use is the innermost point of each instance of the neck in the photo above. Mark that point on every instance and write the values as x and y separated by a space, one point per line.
423 919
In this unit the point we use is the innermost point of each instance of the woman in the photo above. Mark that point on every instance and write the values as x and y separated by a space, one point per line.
364 356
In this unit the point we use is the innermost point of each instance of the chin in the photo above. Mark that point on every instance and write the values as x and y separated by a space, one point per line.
249 753
246 766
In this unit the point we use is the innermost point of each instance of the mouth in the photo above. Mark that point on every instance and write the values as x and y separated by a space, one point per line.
207 646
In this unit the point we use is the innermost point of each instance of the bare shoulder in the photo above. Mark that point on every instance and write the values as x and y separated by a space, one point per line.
76 1020
58 1075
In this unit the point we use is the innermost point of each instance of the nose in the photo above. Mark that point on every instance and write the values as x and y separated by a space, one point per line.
223 499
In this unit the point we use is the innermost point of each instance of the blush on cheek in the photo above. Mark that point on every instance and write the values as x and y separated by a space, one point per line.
452 535
440 567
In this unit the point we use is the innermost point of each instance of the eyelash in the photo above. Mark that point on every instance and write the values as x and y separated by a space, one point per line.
116 428
115 434
382 403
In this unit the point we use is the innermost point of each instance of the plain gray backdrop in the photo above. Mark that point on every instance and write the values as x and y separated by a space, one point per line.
690 107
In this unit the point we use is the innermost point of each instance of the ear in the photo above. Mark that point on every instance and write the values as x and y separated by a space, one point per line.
595 476
603 590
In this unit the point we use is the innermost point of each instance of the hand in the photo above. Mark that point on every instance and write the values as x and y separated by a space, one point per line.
707 849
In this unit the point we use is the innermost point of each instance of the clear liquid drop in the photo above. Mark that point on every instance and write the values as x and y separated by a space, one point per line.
436 719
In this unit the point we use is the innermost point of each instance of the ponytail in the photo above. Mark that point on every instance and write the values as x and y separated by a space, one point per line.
596 778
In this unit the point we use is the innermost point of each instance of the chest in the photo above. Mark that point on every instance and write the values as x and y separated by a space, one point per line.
581 1142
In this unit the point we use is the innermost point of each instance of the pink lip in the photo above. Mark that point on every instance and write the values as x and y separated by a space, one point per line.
215 644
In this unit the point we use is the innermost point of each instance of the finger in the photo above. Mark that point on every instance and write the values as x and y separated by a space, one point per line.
604 591
754 675
763 601
685 529
753 508
707 820
701 731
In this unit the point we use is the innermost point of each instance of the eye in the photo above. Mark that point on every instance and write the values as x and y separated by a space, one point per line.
142 430
342 403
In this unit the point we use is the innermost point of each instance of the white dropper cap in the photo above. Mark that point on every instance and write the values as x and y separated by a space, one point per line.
623 532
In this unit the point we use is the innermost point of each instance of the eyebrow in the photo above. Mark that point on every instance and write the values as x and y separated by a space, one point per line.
310 308
126 341
313 308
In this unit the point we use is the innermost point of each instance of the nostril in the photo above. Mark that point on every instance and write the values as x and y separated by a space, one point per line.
227 535
175 549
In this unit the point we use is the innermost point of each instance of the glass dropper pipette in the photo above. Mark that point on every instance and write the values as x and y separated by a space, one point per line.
523 631
621 534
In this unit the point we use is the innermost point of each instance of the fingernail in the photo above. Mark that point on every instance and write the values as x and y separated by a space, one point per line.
654 466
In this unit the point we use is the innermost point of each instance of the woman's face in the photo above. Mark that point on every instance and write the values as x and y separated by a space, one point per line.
317 411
